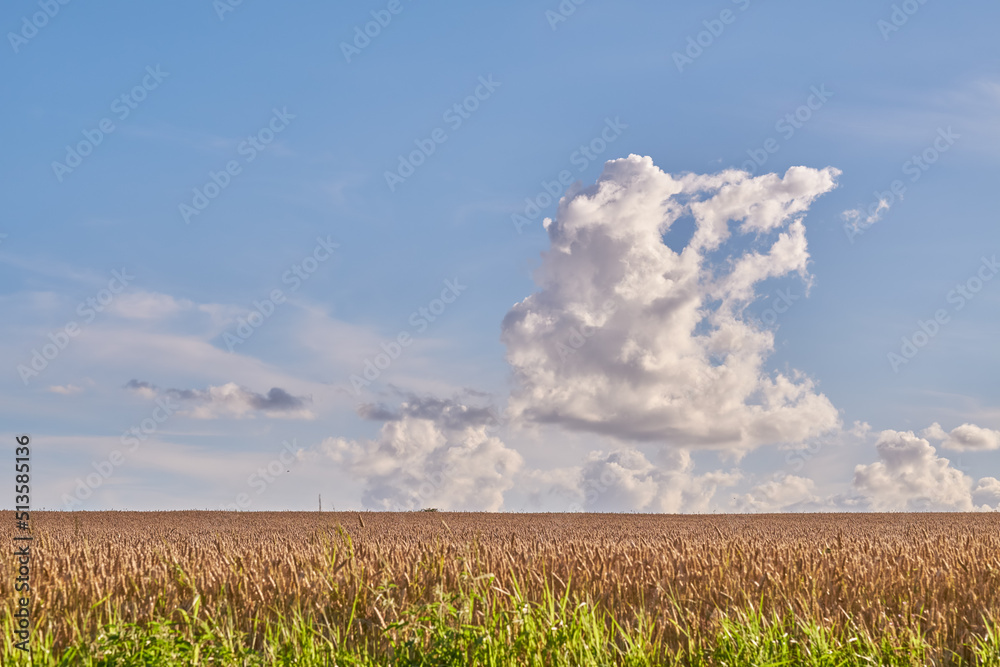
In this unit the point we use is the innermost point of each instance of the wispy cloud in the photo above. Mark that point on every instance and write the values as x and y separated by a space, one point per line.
229 401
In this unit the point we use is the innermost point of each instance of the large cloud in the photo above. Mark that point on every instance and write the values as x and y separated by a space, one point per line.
629 338
429 453
911 477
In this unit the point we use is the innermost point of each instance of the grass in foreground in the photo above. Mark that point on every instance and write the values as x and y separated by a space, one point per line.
230 588
553 632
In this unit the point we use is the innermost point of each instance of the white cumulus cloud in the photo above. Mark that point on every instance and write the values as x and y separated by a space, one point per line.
964 438
625 480
986 494
788 494
910 476
430 453
629 338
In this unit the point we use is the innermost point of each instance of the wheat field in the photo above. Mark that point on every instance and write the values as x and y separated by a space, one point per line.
356 578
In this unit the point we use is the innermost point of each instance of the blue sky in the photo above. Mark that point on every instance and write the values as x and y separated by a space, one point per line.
193 88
